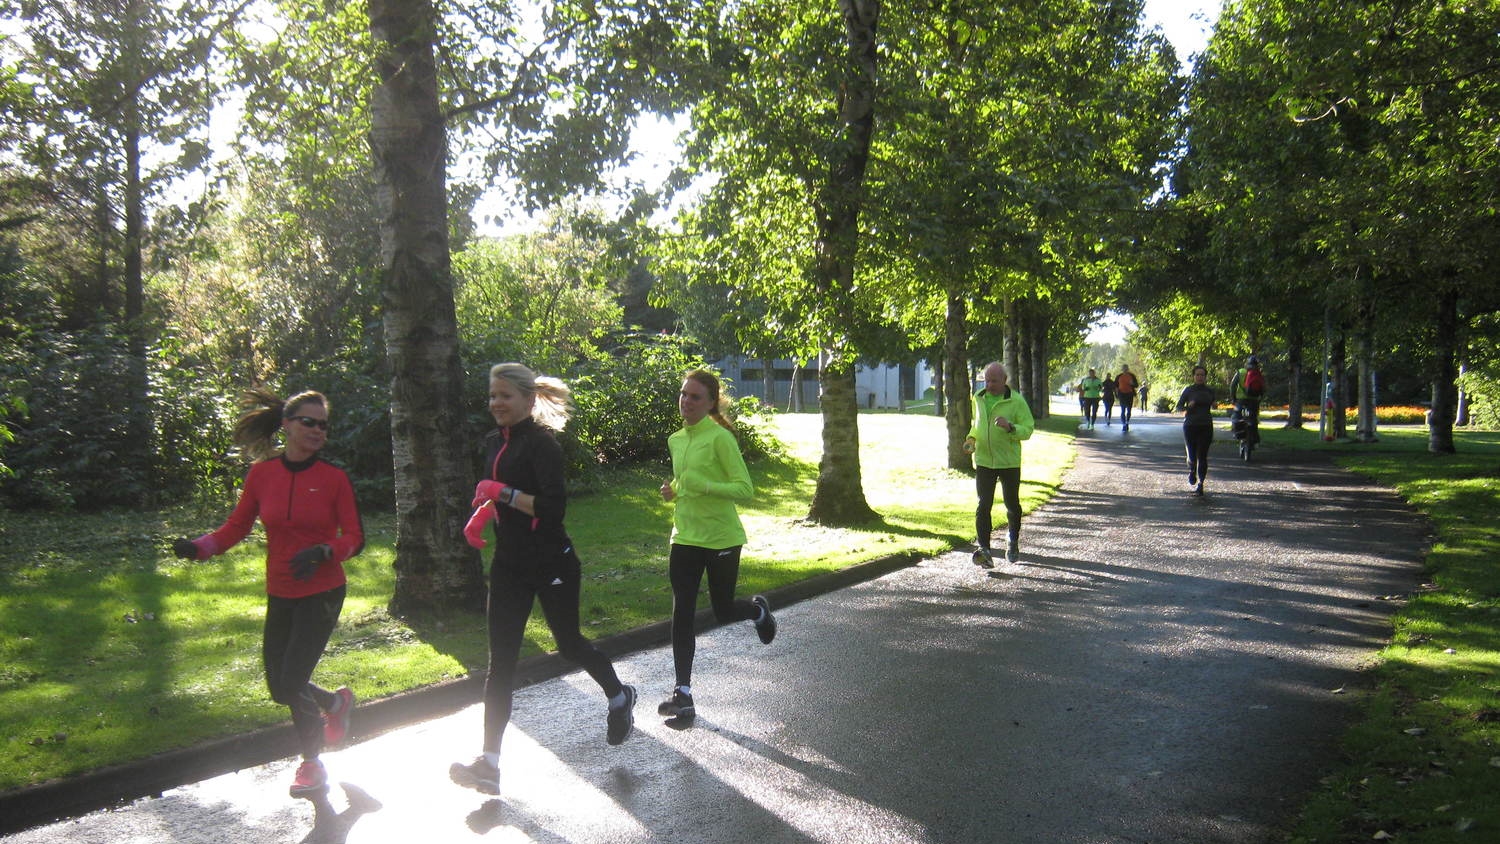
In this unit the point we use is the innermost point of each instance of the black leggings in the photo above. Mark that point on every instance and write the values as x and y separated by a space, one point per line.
1090 409
297 631
1198 439
1127 401
685 568
511 597
1010 485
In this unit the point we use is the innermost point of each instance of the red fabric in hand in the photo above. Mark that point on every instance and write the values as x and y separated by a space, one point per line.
490 491
474 530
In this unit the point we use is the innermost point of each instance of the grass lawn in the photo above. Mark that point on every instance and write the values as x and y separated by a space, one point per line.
1423 763
111 649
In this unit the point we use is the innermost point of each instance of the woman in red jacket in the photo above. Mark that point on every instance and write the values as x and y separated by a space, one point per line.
312 525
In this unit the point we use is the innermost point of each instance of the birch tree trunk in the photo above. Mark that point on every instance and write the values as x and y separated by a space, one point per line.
435 568
840 497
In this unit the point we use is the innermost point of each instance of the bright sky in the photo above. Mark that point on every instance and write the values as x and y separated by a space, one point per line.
1186 23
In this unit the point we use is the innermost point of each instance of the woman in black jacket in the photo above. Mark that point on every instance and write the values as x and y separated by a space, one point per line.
1197 402
524 495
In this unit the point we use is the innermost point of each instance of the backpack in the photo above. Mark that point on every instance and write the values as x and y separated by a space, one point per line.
1255 383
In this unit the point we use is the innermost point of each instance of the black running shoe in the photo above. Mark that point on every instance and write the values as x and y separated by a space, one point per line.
984 558
679 705
766 626
1013 552
622 718
479 775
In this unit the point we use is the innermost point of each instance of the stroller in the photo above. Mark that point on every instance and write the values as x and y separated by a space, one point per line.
1241 425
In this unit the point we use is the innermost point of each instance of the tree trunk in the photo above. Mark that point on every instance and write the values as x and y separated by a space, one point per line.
434 471
1010 340
1036 381
840 496
1364 350
1338 423
1294 352
959 412
1462 417
138 460
1445 376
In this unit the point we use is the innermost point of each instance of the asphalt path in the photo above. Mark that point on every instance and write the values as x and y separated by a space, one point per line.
1161 667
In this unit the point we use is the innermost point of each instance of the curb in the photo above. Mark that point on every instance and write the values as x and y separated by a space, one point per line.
117 785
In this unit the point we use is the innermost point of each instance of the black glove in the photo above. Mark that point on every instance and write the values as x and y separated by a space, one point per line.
184 548
305 563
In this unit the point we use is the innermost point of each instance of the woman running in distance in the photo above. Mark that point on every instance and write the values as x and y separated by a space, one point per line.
312 526
1197 405
708 477
524 494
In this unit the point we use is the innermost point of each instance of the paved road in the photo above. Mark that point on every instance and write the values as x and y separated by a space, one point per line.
1164 668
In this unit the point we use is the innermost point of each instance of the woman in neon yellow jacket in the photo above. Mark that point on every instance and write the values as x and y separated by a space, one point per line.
708 477
1002 421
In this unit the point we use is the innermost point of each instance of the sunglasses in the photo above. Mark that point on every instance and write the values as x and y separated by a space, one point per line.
309 422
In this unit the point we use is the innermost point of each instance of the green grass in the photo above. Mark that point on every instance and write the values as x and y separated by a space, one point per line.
1423 763
111 649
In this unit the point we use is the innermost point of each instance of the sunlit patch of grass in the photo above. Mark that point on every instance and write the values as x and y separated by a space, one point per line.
111 649
1424 763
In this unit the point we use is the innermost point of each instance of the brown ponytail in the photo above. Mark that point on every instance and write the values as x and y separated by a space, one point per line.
255 431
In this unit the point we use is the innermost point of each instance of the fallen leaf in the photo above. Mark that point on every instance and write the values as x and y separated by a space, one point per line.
1415 731
1382 836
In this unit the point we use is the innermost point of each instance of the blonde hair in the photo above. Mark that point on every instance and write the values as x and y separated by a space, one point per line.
718 402
554 401
255 431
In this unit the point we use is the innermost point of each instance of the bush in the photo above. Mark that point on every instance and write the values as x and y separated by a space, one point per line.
625 406
78 445
1483 390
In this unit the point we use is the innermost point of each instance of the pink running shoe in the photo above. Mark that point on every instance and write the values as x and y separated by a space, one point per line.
310 779
336 723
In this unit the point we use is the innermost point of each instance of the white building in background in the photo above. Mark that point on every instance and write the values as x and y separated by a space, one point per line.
882 387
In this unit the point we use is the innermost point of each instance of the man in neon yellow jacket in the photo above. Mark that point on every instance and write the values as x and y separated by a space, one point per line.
1002 421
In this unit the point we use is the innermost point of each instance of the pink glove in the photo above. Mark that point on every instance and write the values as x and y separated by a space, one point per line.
493 491
474 530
